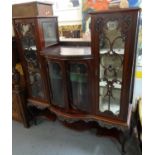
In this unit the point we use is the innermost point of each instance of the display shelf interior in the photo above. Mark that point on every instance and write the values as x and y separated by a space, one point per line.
116 50
104 84
114 107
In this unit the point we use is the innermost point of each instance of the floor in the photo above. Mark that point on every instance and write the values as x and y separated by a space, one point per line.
52 138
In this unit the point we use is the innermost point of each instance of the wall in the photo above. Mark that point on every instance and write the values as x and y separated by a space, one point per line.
69 17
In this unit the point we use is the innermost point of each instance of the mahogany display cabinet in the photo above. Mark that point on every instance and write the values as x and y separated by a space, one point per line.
81 81
96 82
33 35
114 41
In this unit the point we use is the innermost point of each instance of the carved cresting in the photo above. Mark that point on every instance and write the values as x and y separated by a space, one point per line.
123 20
25 29
112 31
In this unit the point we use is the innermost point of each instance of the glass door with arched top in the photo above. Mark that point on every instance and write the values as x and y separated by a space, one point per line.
111 53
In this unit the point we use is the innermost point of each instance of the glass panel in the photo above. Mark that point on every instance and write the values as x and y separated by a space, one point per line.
26 33
111 67
79 86
49 30
56 79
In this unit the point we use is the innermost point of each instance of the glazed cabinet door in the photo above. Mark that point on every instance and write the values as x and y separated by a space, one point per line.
26 34
111 56
79 86
49 31
115 45
57 84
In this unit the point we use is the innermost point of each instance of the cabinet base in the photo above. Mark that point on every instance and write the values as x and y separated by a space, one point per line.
121 136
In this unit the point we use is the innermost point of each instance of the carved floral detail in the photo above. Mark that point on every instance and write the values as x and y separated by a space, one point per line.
124 22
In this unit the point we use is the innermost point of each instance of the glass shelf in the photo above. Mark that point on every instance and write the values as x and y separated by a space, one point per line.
118 51
116 85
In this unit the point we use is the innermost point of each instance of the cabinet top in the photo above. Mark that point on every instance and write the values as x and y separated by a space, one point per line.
32 9
66 52
35 17
33 2
117 10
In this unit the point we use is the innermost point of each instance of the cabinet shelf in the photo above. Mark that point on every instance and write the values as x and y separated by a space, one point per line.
118 51
114 107
31 47
104 84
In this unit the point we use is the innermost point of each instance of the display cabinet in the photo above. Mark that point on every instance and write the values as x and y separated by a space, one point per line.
33 34
114 41
97 79
82 81
95 83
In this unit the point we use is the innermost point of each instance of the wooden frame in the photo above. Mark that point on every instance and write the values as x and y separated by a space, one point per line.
129 57
53 54
36 23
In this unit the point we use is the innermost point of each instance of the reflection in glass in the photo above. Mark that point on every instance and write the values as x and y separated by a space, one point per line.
111 67
79 86
56 80
49 30
26 33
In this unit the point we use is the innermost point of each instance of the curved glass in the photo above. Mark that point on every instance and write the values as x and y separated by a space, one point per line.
78 74
56 81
